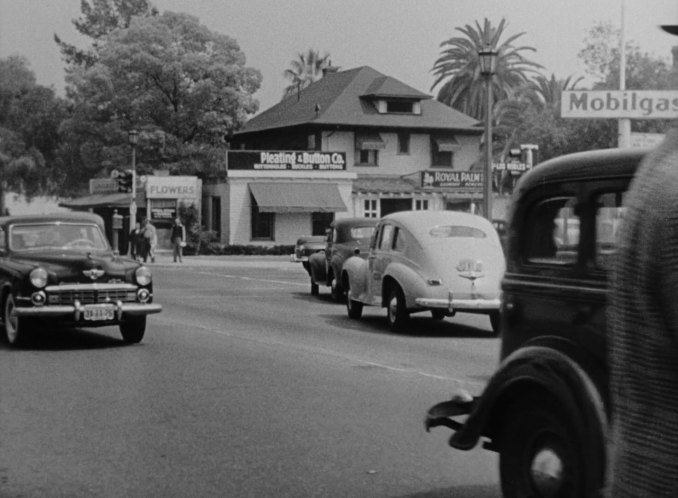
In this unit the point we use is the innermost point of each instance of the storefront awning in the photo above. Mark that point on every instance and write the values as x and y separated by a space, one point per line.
447 144
113 200
369 141
297 197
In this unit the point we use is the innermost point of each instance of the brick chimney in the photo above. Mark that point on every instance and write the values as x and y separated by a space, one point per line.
330 69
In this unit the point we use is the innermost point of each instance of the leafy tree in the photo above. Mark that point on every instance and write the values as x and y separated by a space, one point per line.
644 71
182 86
30 116
98 19
304 70
457 70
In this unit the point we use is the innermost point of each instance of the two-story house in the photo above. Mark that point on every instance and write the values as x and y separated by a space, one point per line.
373 145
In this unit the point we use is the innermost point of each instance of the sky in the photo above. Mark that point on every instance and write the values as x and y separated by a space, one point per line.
400 38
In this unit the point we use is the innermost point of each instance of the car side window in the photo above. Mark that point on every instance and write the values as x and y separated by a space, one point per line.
552 236
400 239
386 240
609 216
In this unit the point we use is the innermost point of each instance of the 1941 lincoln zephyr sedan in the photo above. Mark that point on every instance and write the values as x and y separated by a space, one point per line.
442 262
544 410
61 269
345 238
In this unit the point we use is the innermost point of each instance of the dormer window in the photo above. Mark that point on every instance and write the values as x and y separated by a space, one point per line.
398 106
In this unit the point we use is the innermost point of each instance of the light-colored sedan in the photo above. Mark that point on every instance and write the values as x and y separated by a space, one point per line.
443 262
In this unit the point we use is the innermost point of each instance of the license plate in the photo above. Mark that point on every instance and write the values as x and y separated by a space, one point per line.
97 313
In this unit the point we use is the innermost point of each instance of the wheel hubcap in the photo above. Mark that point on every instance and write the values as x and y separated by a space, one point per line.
547 472
392 308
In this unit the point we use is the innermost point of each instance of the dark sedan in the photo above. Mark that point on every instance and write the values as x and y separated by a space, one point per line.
346 237
61 268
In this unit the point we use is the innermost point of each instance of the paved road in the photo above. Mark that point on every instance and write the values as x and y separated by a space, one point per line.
245 386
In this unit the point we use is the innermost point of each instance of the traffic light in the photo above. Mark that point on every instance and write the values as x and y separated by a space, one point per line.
125 181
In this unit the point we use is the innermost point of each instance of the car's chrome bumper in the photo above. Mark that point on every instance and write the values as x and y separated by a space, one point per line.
295 259
459 304
443 413
76 311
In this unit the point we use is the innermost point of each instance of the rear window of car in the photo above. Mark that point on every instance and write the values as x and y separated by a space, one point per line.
552 235
448 231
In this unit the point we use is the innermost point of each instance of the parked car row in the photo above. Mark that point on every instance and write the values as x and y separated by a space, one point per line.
60 269
442 262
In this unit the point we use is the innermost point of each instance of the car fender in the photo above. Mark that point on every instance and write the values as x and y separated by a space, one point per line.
354 277
316 267
527 369
409 280
336 265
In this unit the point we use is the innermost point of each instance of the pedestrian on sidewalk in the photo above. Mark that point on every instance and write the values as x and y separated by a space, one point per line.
135 242
178 239
150 240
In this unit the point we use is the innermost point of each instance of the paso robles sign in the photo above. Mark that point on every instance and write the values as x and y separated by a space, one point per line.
639 104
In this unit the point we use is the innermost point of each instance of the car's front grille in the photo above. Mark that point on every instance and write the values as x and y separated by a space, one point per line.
90 293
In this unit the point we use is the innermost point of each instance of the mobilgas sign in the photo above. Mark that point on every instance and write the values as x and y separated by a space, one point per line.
620 104
287 160
465 180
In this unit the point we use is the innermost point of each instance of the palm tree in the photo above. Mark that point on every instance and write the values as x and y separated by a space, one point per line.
305 70
458 67
550 91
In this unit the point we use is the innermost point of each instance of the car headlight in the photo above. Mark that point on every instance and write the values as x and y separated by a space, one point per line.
38 278
143 275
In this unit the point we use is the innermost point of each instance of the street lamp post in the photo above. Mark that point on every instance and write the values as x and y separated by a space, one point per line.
133 136
488 66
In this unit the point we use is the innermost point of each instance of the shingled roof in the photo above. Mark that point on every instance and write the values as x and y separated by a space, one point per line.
342 98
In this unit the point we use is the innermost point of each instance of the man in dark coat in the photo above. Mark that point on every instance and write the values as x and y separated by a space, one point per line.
643 333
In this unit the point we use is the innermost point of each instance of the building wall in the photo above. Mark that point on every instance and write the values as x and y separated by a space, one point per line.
288 226
392 163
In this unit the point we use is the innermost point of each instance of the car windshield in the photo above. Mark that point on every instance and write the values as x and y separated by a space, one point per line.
59 235
447 231
362 232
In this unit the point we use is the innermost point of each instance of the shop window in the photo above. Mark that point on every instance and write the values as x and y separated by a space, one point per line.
403 143
371 208
421 204
215 218
367 157
553 235
163 212
320 222
609 216
263 224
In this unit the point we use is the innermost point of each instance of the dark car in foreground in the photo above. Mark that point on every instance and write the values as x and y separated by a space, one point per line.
346 237
60 269
545 409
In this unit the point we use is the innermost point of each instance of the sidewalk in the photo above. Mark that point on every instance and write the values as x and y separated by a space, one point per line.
165 258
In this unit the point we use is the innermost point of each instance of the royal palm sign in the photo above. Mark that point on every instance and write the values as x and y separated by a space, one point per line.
638 104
